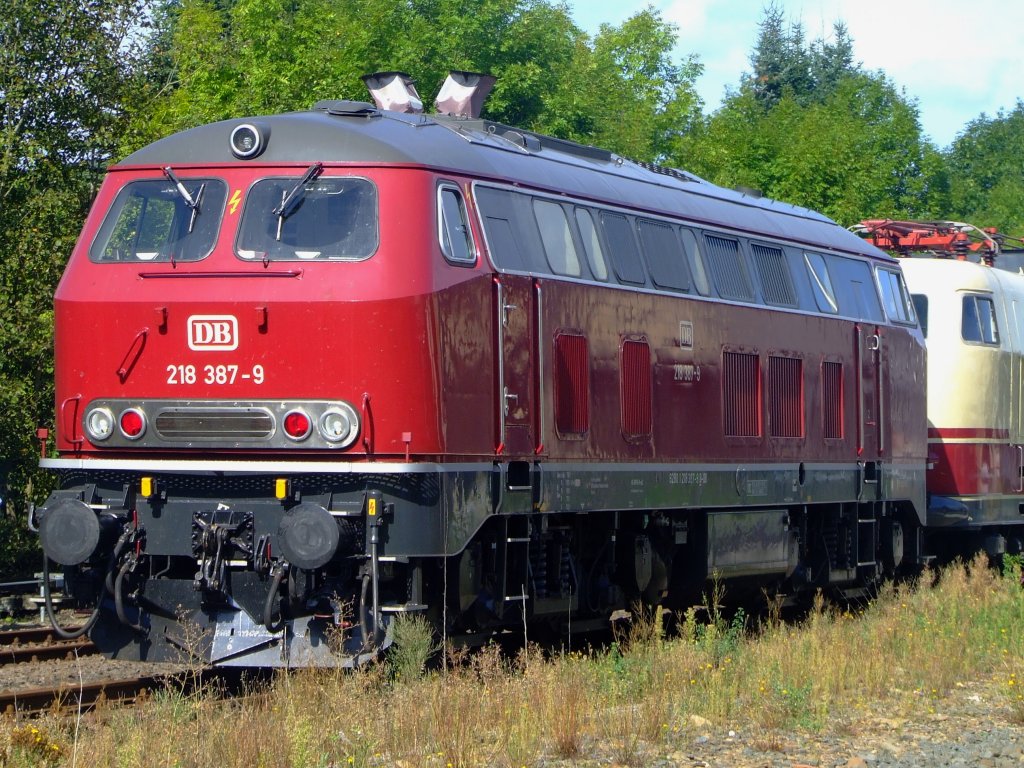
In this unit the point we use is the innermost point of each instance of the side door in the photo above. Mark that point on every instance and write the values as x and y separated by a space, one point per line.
515 324
868 354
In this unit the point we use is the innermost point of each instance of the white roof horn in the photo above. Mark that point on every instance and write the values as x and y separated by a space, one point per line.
395 91
463 93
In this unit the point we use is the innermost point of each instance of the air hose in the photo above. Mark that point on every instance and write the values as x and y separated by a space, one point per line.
119 598
268 606
48 602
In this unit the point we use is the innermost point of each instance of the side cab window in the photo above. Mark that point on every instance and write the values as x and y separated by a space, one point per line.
898 305
453 230
978 322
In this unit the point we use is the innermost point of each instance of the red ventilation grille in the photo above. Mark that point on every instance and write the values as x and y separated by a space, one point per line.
832 400
785 396
741 394
572 384
635 371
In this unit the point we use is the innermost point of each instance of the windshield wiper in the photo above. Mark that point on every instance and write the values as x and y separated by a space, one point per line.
291 200
191 202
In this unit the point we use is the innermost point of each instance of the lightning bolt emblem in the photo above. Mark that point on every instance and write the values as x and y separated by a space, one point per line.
236 198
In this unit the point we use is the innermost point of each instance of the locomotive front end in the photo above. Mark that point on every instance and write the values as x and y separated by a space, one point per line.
237 338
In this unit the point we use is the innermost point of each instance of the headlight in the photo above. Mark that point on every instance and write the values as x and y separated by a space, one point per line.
99 423
248 140
339 424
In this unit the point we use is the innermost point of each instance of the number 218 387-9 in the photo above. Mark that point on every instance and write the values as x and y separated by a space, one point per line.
213 374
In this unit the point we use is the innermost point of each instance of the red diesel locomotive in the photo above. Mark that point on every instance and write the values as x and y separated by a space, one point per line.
316 369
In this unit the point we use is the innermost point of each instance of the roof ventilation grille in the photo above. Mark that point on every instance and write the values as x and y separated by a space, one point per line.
665 170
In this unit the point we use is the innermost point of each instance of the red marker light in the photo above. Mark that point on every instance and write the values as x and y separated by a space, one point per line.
297 425
133 423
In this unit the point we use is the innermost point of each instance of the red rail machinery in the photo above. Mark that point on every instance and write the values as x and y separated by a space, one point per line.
944 239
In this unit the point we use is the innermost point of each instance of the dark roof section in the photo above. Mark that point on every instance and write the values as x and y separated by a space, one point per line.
358 133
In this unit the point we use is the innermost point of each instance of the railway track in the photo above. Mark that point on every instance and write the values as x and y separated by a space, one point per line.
40 644
72 697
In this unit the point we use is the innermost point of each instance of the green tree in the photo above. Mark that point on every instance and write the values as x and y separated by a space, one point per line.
63 67
640 100
986 171
780 60
224 59
857 154
832 60
784 63
810 127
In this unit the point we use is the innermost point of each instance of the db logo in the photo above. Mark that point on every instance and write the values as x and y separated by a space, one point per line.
212 333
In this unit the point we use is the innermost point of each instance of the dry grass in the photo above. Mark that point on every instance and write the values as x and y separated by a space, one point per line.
644 696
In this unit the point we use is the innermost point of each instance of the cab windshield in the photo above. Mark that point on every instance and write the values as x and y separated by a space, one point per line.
151 220
327 218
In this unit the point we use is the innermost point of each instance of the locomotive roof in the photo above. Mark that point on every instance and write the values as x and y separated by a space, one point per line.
358 132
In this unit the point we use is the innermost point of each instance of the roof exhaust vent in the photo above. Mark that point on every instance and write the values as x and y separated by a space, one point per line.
463 93
395 91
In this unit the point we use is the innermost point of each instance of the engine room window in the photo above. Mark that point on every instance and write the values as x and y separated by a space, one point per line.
152 220
700 275
664 255
821 283
558 244
591 244
898 306
625 257
453 227
978 323
328 218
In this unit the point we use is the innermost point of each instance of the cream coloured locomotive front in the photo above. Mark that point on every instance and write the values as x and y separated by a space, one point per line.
973 318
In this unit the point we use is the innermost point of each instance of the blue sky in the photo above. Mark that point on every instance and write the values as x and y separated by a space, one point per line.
957 58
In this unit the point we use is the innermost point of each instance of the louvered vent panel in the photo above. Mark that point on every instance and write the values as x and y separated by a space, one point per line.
636 389
572 384
775 279
214 424
785 396
741 394
832 399
727 268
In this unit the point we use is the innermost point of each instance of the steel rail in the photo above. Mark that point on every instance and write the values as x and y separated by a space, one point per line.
85 696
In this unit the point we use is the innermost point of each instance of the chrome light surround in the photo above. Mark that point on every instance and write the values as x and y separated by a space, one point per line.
225 424
99 424
142 416
339 425
309 424
248 140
